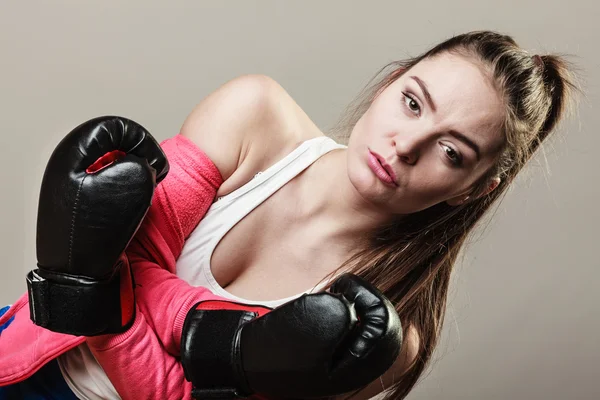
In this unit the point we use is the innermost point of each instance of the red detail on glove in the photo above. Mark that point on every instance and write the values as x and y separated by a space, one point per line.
105 161
126 292
227 305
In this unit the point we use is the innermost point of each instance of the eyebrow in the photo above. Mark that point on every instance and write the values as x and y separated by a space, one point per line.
468 142
456 134
423 87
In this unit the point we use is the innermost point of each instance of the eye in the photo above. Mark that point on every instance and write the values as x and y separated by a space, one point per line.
454 156
412 104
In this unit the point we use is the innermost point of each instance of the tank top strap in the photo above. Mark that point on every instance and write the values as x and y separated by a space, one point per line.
283 171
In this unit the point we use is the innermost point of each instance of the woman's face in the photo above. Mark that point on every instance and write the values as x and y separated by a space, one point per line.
428 137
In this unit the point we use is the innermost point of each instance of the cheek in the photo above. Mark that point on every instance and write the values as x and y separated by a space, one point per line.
361 132
433 184
377 121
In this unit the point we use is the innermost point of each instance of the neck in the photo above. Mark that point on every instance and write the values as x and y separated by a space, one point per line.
327 195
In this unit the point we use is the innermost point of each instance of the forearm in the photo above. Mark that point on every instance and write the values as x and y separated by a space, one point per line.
165 300
138 366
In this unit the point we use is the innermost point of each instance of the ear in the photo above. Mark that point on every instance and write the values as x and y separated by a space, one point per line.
465 197
493 184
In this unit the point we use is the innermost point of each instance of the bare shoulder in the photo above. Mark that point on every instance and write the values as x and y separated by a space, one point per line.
245 121
408 354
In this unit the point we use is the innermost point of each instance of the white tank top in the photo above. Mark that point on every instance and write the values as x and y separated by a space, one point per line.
81 371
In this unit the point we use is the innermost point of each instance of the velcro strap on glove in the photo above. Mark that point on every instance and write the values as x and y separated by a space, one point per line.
215 370
82 307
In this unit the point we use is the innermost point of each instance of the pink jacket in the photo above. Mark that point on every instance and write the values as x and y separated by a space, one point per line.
136 361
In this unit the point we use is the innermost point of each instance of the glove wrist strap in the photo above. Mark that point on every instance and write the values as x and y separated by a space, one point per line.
215 370
81 307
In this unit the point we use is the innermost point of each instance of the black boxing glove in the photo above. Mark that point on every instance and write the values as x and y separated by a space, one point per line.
318 345
96 190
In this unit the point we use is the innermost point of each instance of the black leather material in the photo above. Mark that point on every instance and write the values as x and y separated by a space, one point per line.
319 345
96 190
209 357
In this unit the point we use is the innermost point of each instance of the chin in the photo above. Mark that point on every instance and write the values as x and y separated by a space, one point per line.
369 187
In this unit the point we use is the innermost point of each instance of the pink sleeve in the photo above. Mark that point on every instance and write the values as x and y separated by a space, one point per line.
137 361
180 201
138 366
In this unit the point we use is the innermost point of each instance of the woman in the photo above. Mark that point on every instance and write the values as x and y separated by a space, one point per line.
434 143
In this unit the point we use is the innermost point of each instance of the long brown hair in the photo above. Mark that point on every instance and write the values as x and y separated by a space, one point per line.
411 261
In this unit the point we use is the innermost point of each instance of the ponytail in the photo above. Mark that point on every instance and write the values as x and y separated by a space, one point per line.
558 84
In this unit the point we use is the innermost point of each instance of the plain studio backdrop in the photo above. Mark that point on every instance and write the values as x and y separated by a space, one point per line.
523 319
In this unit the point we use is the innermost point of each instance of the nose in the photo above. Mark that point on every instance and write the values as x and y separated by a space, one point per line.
407 148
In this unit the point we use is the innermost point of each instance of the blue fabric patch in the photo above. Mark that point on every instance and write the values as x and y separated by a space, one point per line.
46 384
3 310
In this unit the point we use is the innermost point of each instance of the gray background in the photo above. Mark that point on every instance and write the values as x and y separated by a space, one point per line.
523 321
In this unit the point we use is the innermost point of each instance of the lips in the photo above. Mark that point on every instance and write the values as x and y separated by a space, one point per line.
382 169
387 168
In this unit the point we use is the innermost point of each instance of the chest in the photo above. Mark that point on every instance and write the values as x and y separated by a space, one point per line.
272 253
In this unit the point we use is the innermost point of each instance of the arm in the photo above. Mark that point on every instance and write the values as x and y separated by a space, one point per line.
218 141
199 163
179 202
